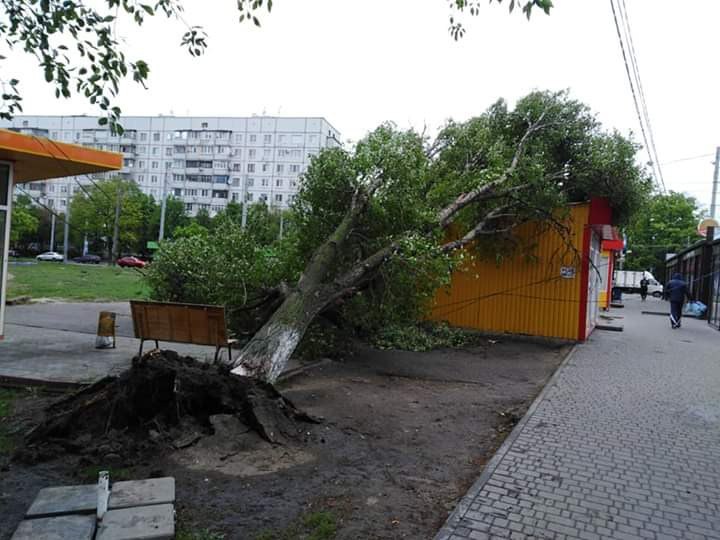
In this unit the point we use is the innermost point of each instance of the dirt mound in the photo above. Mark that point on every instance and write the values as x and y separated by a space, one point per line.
163 401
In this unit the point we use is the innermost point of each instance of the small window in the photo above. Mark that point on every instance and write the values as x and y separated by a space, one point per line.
204 125
278 197
253 138
156 136
251 167
280 167
267 139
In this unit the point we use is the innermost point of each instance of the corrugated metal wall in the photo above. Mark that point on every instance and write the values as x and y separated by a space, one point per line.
522 295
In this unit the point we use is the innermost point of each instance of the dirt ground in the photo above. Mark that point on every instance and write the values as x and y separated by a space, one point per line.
404 435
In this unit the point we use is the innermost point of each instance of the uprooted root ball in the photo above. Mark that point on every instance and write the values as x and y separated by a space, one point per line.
164 399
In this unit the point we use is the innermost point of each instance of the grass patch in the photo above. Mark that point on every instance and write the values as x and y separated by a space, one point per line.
6 408
75 282
90 474
202 534
312 526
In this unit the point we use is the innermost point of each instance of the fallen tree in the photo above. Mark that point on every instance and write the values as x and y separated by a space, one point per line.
398 198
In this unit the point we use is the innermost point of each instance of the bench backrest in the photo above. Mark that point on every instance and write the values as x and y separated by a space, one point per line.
182 323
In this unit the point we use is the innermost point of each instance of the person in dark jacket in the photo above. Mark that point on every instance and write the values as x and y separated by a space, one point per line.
676 291
644 282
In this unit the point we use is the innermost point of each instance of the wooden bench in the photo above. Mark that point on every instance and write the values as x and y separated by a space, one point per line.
181 323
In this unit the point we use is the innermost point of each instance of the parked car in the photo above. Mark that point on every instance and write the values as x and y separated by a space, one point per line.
13 253
131 262
87 259
50 256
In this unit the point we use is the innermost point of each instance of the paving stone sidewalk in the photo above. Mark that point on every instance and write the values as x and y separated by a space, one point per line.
624 443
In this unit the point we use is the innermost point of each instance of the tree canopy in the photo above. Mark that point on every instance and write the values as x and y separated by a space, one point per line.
78 48
665 224
25 220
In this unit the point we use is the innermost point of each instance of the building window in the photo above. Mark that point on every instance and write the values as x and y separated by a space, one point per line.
204 125
313 139
252 153
253 138
278 197
221 165
168 164
154 165
153 179
280 167
204 192
143 136
265 167
251 167
168 151
179 149
294 168
249 197
177 192
179 164
293 184
267 139
141 178
281 139
265 182
178 177
188 207
156 136
154 150
63 188
250 182
238 137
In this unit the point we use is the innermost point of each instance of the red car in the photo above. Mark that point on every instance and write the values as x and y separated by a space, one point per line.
131 262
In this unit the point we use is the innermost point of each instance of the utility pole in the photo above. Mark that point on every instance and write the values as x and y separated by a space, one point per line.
282 223
243 218
716 183
52 232
66 230
116 228
161 234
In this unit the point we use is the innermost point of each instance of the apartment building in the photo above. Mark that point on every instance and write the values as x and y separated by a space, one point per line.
203 161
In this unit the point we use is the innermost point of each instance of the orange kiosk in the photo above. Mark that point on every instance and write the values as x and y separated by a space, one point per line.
27 158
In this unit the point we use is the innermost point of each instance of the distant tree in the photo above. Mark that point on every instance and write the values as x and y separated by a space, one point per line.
175 216
92 213
25 221
77 46
665 224
203 218
190 230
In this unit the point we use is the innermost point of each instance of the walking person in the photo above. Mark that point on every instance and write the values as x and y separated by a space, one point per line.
676 291
644 282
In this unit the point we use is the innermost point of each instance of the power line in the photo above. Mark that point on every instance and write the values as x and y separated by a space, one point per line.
59 149
636 70
691 158
658 179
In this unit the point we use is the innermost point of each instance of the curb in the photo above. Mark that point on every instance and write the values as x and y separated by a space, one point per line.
453 520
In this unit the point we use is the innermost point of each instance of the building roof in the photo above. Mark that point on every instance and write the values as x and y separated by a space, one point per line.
38 158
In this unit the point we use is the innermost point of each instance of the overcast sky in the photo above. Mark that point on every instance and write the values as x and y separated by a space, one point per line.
361 62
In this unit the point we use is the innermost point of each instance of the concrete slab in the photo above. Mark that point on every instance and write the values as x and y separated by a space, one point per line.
56 528
140 523
142 492
55 501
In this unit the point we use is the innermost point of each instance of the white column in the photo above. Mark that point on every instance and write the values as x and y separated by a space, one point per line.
6 175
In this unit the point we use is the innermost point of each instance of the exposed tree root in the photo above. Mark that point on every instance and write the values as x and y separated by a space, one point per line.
164 399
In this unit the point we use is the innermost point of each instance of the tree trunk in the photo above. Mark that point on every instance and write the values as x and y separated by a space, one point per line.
268 352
